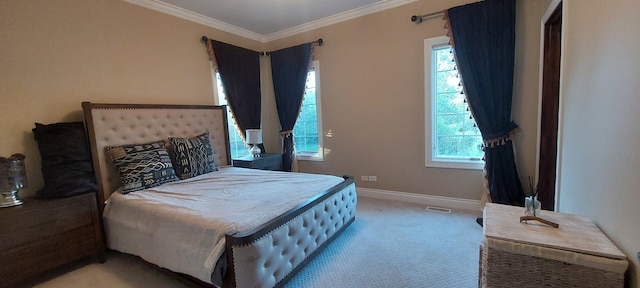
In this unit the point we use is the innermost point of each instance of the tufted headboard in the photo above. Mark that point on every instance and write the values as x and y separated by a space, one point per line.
119 124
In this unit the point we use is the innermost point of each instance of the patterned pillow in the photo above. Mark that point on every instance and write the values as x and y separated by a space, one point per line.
192 156
142 166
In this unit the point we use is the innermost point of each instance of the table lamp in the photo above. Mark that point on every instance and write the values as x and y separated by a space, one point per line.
12 179
254 137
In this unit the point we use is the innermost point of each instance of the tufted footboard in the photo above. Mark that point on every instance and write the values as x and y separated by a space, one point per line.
271 254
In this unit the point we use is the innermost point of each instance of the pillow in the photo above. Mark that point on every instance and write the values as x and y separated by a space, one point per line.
192 156
142 166
65 160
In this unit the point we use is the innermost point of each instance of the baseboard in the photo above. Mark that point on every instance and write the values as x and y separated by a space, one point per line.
423 199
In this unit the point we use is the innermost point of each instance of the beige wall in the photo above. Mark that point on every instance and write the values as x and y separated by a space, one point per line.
599 154
372 75
56 54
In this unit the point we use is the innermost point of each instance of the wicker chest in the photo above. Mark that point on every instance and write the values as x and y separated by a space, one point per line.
577 254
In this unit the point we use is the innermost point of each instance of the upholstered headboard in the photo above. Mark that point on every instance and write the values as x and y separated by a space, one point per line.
119 124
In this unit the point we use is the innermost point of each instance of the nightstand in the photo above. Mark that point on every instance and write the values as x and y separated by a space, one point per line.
264 162
45 233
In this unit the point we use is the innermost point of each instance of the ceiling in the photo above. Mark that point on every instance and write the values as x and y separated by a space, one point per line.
267 20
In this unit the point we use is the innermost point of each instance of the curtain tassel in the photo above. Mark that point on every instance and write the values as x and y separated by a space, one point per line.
286 133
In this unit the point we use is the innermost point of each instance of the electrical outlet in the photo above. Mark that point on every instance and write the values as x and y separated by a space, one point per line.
373 178
364 178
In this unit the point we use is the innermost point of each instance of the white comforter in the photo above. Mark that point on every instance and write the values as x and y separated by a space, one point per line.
180 226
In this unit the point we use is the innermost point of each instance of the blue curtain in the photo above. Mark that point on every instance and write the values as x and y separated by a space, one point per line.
483 37
239 70
289 68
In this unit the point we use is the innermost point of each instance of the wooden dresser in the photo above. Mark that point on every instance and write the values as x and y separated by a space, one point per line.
42 234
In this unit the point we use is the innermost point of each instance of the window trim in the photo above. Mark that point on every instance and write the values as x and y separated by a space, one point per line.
429 102
309 156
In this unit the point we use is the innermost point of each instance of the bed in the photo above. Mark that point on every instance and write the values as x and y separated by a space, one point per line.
275 241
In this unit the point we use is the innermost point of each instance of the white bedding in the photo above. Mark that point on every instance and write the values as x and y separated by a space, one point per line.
181 226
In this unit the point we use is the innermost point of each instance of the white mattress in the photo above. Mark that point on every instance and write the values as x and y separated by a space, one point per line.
181 226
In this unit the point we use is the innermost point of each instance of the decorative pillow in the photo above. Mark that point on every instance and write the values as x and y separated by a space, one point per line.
142 166
65 159
192 156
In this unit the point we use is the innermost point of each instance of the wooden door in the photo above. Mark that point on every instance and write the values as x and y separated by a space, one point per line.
549 110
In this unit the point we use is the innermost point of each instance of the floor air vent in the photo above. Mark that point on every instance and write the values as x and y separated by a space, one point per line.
438 209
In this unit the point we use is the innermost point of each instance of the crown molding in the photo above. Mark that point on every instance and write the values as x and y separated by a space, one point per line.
197 18
213 23
337 18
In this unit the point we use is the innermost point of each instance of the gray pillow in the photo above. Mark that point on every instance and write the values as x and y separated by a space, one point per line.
142 166
192 156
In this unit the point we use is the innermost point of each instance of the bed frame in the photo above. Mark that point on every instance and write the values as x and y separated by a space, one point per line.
267 256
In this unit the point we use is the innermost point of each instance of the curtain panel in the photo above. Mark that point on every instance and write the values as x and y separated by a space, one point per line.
289 67
239 70
483 37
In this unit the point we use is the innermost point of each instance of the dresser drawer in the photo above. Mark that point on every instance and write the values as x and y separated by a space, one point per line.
42 234
36 257
44 219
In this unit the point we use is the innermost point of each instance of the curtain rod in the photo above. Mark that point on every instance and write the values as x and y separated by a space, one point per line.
319 42
205 40
419 18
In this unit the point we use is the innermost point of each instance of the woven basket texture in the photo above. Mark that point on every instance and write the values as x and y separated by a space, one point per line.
505 269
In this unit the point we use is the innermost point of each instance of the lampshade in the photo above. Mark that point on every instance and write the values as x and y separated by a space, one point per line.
254 136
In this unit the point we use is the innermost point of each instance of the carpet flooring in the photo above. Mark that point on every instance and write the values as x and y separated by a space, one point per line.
391 244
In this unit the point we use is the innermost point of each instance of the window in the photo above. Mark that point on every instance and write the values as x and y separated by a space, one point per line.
451 138
238 148
308 128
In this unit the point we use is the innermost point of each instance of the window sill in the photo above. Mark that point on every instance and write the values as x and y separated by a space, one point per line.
309 157
455 165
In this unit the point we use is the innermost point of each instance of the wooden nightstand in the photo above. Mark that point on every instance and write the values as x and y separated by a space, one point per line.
264 162
42 234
